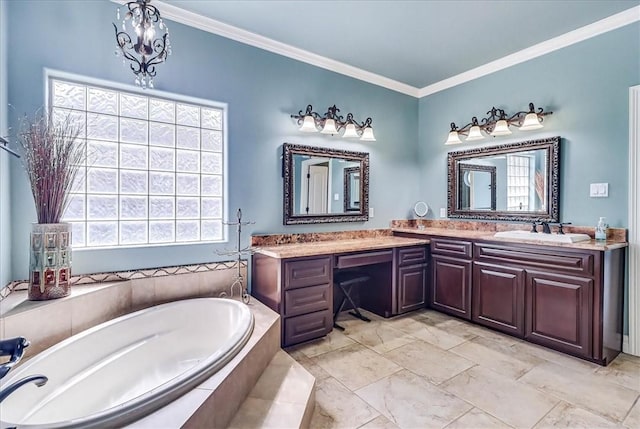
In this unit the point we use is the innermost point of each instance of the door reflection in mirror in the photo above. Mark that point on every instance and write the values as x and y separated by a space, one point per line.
325 185
352 189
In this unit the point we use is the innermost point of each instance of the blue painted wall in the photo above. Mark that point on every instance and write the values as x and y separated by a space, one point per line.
262 89
5 221
586 85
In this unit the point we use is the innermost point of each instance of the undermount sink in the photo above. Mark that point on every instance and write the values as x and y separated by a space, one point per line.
539 236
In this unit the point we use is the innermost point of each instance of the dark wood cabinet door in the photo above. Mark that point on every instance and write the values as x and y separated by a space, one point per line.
451 286
411 288
498 297
559 312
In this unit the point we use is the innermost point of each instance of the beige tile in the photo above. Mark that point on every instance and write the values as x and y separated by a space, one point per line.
143 293
260 413
466 330
476 419
214 282
334 341
541 352
170 288
99 306
624 370
380 422
565 415
311 365
496 356
356 366
632 421
516 404
584 390
44 326
380 337
284 380
337 407
412 402
429 333
429 361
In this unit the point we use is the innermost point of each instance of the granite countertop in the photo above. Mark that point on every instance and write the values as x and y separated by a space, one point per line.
297 250
489 236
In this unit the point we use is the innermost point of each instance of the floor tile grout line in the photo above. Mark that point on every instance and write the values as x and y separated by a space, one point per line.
629 411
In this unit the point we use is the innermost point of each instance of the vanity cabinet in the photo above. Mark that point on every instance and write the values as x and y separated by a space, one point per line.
300 290
451 264
411 275
568 299
498 297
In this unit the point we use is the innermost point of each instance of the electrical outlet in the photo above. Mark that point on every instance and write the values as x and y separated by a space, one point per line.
336 197
443 212
370 211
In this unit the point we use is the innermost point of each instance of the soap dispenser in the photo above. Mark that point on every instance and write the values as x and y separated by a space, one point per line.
601 230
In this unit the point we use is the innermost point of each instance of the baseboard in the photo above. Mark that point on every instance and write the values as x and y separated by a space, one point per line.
625 344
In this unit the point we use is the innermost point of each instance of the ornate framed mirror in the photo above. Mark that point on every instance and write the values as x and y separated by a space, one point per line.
516 181
323 185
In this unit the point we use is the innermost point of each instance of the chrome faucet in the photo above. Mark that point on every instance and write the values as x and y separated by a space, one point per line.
39 380
13 347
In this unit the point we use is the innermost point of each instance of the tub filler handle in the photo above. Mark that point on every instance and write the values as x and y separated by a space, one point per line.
13 347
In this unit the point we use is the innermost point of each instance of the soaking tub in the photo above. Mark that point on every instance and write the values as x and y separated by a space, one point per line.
121 370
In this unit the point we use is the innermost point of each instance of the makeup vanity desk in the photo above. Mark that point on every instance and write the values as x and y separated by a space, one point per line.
296 280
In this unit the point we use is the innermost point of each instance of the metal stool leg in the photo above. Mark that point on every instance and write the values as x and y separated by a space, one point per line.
356 311
337 312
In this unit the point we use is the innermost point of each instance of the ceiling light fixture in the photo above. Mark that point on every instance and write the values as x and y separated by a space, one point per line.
496 124
148 50
332 123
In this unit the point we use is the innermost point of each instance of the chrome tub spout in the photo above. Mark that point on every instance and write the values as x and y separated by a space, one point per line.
39 380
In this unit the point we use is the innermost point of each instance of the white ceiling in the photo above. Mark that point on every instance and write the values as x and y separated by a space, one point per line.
403 45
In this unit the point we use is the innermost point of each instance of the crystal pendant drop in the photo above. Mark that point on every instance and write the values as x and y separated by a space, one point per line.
151 83
116 52
118 14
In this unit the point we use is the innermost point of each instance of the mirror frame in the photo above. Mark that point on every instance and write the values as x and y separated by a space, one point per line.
289 218
552 214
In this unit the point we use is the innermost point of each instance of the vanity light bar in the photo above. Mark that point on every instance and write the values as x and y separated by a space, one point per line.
496 124
332 123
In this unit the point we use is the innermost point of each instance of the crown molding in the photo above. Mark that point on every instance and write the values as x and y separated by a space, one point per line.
583 33
210 25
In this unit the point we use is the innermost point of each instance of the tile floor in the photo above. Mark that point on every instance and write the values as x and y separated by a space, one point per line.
429 370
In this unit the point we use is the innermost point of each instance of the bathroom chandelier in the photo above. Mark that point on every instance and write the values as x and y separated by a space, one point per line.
496 124
332 123
148 50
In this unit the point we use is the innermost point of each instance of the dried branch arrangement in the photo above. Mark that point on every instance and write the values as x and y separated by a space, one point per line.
52 155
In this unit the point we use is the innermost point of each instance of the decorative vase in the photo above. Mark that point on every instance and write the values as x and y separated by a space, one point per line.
50 261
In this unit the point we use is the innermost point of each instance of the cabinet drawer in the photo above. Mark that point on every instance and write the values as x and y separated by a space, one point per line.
412 255
307 300
307 272
307 327
364 258
547 258
445 246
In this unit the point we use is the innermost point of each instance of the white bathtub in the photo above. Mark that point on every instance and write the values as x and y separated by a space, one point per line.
121 370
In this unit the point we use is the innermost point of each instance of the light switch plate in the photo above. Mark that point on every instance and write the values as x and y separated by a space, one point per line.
599 190
370 211
443 212
336 197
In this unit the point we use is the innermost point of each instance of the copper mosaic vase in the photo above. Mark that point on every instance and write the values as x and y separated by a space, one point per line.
50 261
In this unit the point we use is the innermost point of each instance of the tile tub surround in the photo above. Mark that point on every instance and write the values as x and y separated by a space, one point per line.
213 403
432 383
94 303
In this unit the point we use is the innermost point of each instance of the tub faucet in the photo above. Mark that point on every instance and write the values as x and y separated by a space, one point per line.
545 228
13 347
39 380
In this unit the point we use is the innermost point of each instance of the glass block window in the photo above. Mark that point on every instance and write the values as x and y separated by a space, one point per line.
154 171
518 181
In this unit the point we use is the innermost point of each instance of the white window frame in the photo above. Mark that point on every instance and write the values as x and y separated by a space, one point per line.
50 74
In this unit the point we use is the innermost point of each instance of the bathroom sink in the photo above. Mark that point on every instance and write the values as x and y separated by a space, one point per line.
538 236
